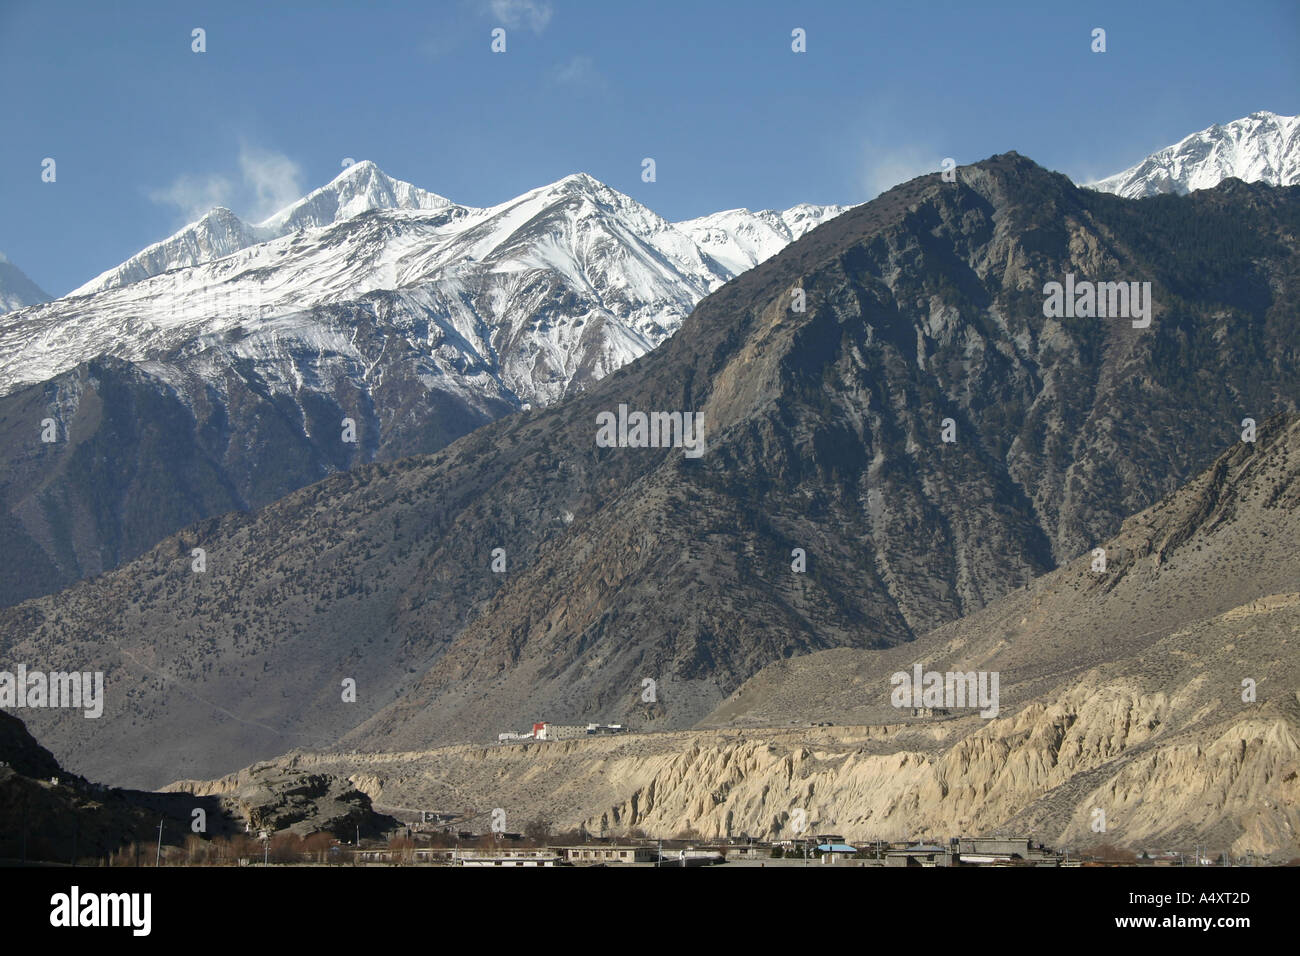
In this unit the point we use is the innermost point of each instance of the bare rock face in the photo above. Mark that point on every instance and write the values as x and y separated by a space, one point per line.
273 797
1046 772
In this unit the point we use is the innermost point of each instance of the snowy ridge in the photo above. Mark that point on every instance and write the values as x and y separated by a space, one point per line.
537 296
359 188
740 239
1262 147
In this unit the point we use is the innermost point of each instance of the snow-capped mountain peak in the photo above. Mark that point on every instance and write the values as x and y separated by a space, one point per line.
1262 147
217 233
579 181
360 188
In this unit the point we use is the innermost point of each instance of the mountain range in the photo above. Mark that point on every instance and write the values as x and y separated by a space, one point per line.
525 572
213 371
1261 147
548 290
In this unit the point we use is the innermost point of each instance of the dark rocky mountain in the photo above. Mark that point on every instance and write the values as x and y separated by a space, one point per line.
1185 581
824 433
50 815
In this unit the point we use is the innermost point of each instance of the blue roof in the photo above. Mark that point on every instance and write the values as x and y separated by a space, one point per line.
837 848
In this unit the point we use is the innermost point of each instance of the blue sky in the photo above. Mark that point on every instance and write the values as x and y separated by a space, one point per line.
145 132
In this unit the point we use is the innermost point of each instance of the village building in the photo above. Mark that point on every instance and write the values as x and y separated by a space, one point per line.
920 854
607 853
497 856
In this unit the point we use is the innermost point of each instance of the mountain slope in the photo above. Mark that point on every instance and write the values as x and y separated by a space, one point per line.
1261 147
823 432
1121 692
1215 555
140 454
828 439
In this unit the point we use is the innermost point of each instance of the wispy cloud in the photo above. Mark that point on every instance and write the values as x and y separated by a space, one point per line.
267 181
578 71
195 195
517 14
883 169
274 179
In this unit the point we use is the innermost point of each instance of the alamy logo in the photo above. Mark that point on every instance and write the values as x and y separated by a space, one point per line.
75 908
952 689
55 689
651 430
1099 300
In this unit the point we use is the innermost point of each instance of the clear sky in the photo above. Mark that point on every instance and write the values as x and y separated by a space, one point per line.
147 133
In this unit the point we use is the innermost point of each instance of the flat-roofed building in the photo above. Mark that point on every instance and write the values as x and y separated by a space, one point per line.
548 731
921 854
608 853
831 852
1003 850
496 856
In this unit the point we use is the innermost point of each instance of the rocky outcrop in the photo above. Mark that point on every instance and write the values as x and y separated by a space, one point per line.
1073 773
273 797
